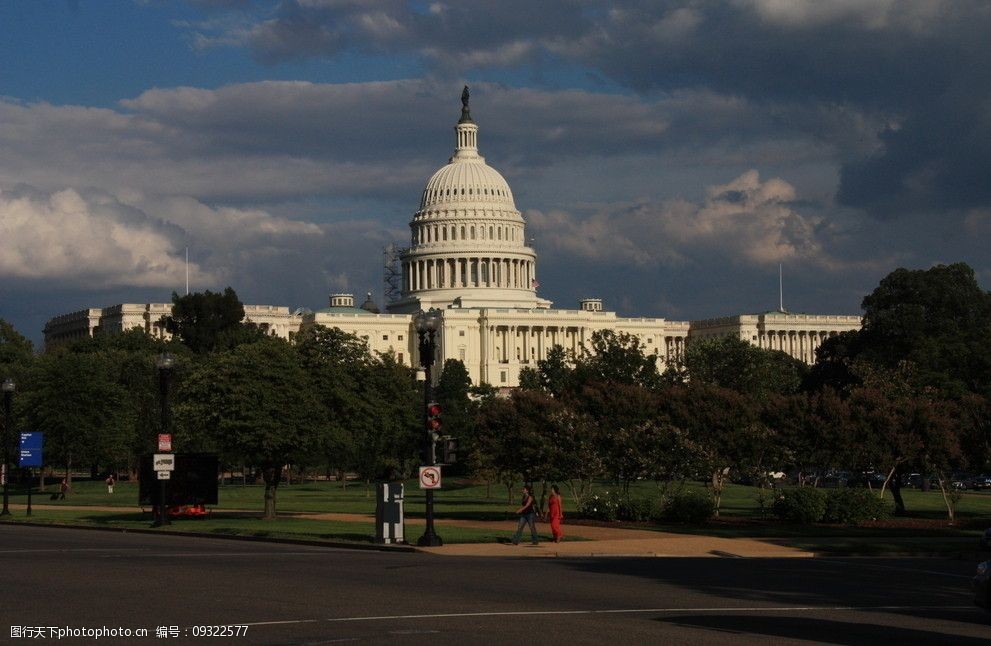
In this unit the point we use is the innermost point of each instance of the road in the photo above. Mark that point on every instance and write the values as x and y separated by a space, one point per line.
288 594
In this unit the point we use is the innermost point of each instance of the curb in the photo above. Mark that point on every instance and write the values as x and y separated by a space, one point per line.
375 547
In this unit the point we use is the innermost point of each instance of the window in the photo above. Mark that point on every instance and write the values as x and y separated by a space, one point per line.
502 376
400 337
461 354
461 332
385 337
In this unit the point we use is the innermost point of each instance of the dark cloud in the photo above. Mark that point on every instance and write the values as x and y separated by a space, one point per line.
914 73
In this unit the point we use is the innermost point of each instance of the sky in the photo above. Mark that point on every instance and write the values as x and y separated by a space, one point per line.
667 156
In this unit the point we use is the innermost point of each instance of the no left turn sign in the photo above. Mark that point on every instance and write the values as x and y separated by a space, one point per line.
429 477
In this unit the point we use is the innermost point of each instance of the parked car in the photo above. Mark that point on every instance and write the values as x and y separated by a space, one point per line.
979 483
979 584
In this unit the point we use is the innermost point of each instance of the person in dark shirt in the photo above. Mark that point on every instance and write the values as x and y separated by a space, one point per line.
528 516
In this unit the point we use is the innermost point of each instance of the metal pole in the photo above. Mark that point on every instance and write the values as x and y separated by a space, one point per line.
427 348
164 372
30 486
7 395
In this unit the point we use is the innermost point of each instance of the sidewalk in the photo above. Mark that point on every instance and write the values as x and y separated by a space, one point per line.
597 541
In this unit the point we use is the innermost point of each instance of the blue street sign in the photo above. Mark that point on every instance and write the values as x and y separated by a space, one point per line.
31 449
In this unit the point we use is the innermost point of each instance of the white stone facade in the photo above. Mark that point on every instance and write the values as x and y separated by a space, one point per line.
273 319
798 335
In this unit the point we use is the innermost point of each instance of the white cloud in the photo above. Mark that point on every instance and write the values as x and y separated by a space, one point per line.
92 241
747 221
868 14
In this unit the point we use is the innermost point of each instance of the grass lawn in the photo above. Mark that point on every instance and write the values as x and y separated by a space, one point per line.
232 524
740 515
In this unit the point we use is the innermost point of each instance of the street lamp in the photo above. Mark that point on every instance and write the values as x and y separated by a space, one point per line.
427 326
8 394
164 362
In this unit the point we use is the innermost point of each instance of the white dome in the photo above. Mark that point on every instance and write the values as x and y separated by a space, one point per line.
468 242
467 180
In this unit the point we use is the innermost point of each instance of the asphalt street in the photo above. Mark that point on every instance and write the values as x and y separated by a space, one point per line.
76 580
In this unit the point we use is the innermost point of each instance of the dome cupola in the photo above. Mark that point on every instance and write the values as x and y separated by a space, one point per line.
468 245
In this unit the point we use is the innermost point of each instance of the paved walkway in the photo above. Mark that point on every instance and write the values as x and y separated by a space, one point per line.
596 540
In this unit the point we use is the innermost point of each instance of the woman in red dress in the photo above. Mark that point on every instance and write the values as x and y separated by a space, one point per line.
556 513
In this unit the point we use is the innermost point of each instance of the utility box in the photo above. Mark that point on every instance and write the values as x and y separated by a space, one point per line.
389 519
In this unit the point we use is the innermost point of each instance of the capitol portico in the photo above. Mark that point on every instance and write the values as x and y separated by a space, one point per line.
468 265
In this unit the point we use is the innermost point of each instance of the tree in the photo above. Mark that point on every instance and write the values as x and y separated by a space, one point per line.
131 356
733 363
256 401
451 393
15 348
722 422
617 357
208 321
78 402
937 320
338 365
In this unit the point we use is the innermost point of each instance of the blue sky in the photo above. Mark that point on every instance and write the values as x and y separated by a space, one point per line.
666 155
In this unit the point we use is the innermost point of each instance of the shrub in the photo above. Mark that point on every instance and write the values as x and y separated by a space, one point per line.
604 507
637 510
852 506
801 505
692 507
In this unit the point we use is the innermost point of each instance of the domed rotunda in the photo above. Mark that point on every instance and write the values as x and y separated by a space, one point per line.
468 243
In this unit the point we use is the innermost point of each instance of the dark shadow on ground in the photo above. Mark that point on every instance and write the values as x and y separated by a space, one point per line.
819 630
817 582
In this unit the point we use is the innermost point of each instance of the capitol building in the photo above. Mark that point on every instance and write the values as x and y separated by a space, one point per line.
469 268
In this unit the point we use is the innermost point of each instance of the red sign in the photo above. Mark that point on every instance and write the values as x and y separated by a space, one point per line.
164 441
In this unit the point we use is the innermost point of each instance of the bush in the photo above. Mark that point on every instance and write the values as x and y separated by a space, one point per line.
801 505
636 510
604 507
852 506
691 507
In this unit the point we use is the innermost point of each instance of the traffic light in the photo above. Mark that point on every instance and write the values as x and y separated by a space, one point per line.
433 419
450 450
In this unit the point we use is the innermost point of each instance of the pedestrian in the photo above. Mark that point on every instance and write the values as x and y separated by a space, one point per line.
528 515
63 489
110 483
555 512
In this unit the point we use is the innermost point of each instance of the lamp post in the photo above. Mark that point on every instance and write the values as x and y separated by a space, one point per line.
164 363
426 329
8 395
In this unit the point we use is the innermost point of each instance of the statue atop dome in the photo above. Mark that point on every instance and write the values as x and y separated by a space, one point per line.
465 111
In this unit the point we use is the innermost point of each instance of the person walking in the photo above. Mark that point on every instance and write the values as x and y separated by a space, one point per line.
528 515
555 512
63 489
110 483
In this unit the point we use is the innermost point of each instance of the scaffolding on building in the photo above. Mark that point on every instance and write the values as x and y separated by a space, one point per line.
392 272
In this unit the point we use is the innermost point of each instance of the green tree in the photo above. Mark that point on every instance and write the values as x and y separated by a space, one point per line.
77 401
208 321
338 365
937 320
15 348
256 401
733 363
722 422
617 357
452 393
